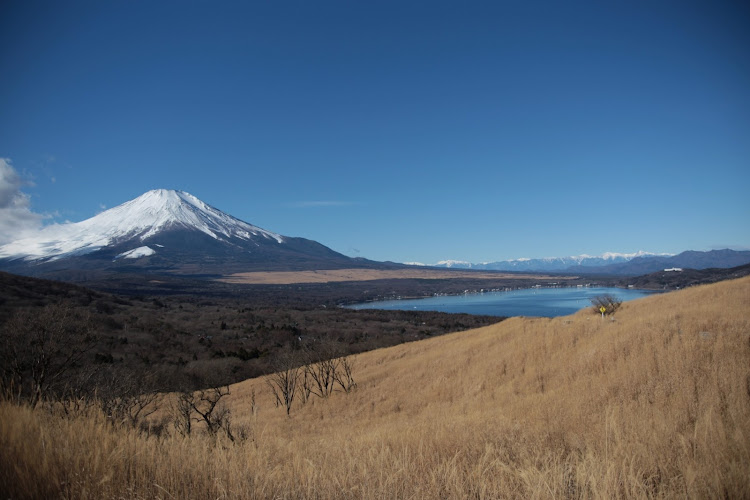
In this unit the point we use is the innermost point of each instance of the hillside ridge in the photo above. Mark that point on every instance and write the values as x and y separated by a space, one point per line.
651 402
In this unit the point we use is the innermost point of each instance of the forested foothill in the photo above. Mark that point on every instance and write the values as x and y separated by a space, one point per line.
95 340
683 278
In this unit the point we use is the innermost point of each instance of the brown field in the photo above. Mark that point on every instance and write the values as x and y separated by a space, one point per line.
339 275
654 403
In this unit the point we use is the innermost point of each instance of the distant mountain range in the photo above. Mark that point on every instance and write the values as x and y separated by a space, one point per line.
548 263
167 231
613 263
173 232
721 259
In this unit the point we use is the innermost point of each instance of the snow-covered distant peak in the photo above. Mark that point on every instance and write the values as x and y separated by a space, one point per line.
552 263
140 218
154 210
629 256
453 263
604 256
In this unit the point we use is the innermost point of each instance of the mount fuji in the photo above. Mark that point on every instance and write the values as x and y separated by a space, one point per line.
169 231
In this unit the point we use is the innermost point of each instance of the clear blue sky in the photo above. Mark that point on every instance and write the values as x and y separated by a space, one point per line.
404 131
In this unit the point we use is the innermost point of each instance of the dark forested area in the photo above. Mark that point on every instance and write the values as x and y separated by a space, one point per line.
95 340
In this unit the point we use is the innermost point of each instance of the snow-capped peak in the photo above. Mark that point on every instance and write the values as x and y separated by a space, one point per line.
153 210
552 263
140 218
453 263
629 256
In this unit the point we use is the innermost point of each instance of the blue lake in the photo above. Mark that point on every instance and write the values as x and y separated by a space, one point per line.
547 302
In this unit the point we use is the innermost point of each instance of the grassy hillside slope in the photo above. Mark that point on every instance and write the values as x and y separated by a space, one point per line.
652 403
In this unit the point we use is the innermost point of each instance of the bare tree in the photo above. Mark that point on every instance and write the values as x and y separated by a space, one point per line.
182 410
606 304
128 396
321 375
207 405
306 387
325 369
344 375
203 406
285 380
40 348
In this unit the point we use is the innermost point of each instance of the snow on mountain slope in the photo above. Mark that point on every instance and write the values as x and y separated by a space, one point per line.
454 263
137 253
141 218
550 263
629 256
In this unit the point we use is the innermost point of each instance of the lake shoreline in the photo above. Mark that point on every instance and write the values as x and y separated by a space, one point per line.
475 292
548 307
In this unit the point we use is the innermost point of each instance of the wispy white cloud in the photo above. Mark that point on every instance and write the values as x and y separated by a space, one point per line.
16 216
321 203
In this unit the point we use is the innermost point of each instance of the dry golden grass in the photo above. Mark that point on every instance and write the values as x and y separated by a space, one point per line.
655 403
338 275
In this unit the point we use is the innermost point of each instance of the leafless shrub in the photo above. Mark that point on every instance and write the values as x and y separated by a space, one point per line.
325 369
134 408
203 406
320 372
213 414
182 413
128 396
315 370
40 349
130 409
285 380
344 376
306 387
609 302
158 427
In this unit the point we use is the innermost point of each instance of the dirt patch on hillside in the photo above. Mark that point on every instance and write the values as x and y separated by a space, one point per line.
339 275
